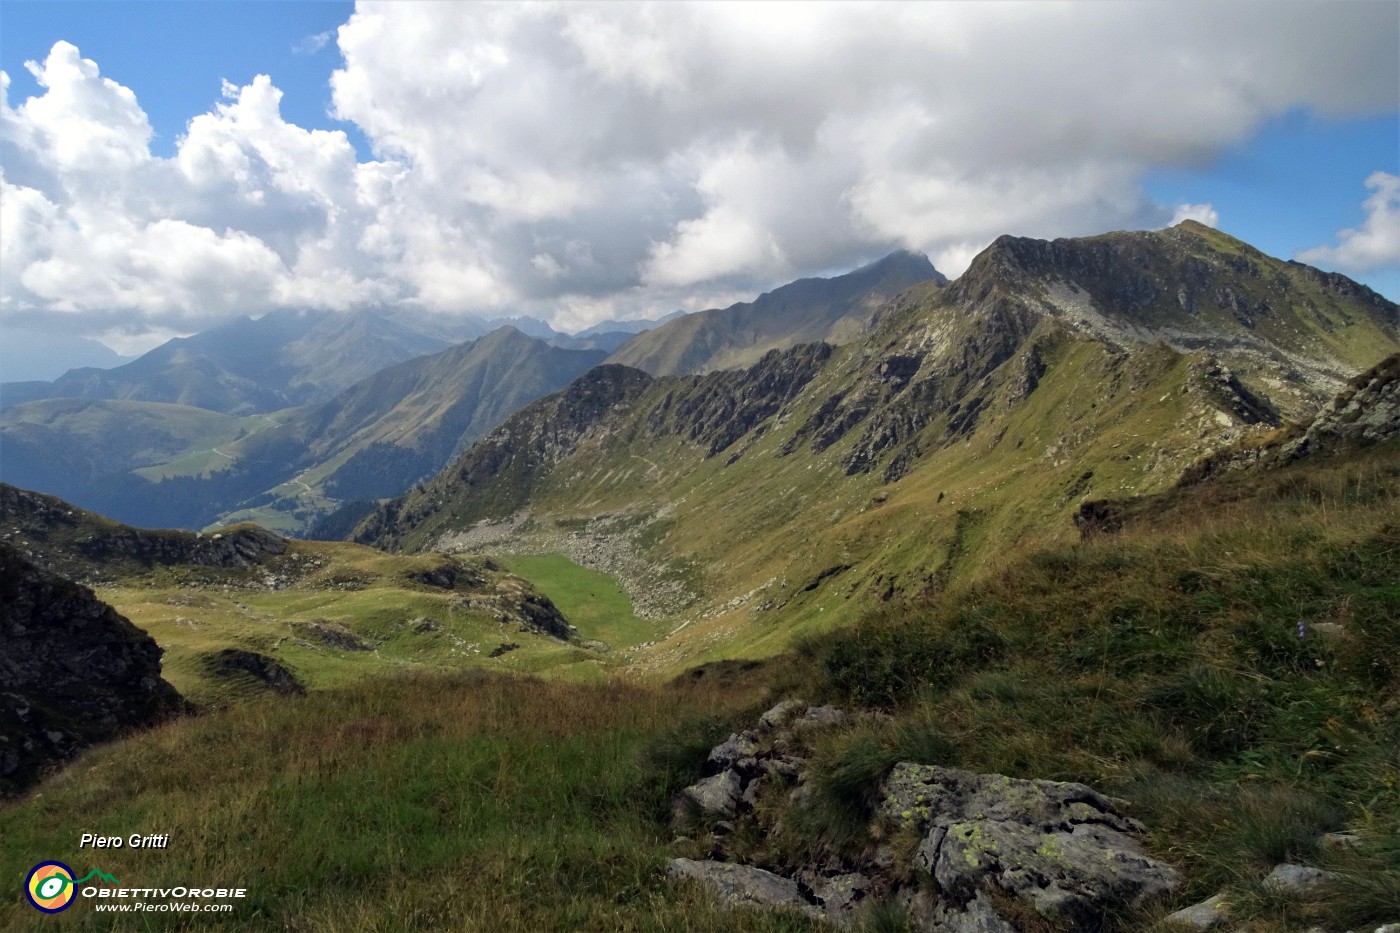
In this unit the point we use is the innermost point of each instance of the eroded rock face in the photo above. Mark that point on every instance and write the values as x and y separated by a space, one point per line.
73 672
1366 412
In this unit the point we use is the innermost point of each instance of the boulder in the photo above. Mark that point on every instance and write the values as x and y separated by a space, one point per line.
1207 915
1063 849
725 755
73 672
265 671
740 885
976 916
837 895
717 795
1296 879
781 715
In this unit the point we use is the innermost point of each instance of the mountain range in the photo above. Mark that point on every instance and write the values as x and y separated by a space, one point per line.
289 417
822 480
1057 596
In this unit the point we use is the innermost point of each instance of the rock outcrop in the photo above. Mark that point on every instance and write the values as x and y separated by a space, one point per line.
1063 849
73 672
1366 412
73 542
987 843
255 669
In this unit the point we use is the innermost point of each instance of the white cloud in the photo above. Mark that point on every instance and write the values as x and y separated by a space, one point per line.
84 122
1374 245
310 45
1201 213
620 159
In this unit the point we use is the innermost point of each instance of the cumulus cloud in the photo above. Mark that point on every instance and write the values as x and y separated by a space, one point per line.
585 161
1376 243
1201 213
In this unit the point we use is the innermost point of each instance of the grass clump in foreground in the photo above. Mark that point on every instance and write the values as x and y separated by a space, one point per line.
1231 667
470 802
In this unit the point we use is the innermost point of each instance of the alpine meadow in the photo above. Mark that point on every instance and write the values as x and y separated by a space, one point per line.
700 467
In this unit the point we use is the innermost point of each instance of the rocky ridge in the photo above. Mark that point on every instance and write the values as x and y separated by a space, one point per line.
1364 413
1193 287
77 543
985 389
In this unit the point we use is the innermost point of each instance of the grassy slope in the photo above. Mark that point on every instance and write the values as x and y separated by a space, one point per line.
1162 664
464 803
1165 665
191 613
154 439
773 524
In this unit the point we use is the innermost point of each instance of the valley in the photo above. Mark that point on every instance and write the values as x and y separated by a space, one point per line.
1111 519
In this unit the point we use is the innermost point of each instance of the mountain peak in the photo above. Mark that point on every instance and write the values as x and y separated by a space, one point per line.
805 311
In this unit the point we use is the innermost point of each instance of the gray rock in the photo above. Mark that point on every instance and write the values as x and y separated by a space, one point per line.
837 895
1207 915
1389 928
752 792
741 885
731 750
783 766
1062 848
333 635
781 715
976 916
1296 879
717 795
1340 840
817 717
802 795
236 663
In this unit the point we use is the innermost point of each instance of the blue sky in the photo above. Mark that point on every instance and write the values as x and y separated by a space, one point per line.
175 55
587 161
1294 183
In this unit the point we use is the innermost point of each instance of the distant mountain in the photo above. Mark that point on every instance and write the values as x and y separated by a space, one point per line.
245 366
824 480
634 325
835 309
28 355
529 326
607 341
158 464
407 421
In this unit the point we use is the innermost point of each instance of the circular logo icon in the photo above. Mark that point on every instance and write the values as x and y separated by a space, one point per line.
49 887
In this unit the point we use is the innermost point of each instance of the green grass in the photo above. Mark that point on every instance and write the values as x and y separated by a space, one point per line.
467 802
591 600
1163 665
193 613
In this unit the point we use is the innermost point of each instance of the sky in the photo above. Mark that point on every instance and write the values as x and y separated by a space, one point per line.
165 166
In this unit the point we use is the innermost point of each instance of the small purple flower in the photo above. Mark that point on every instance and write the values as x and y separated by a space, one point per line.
1302 629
